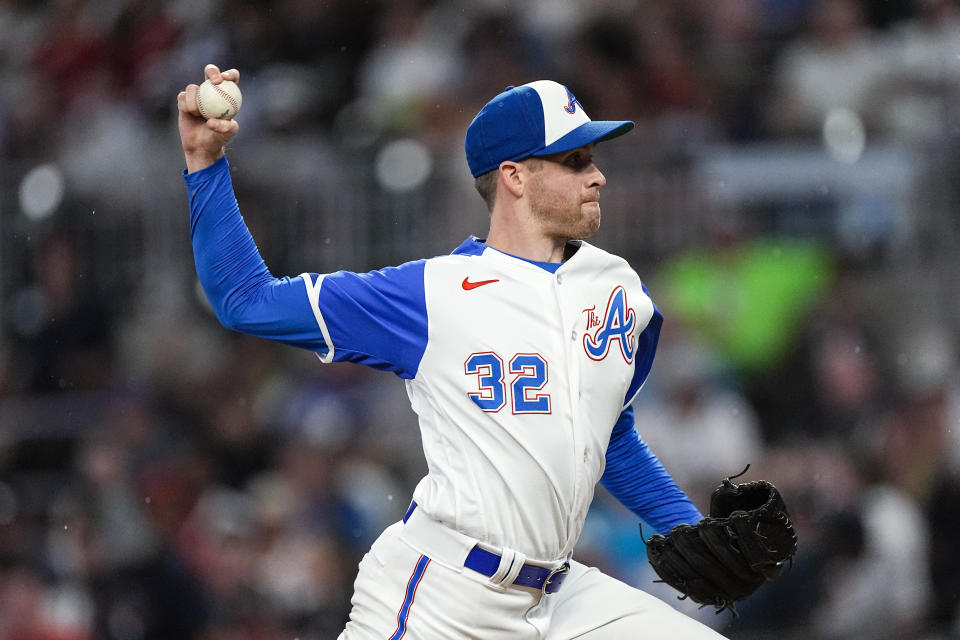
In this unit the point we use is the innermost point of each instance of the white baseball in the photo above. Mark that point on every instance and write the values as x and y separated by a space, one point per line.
219 100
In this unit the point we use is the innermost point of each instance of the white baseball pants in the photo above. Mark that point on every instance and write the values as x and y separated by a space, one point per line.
412 585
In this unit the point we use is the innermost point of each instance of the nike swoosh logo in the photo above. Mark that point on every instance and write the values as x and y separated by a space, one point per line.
467 285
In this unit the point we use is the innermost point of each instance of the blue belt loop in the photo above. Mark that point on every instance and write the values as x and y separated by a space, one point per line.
487 563
547 580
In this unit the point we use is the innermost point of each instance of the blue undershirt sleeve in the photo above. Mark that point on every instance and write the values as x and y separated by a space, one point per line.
635 477
377 318
243 293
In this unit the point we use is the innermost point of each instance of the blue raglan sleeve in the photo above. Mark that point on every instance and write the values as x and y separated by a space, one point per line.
635 477
379 318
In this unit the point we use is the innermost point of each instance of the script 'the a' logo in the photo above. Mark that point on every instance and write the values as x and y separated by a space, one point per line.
572 102
616 325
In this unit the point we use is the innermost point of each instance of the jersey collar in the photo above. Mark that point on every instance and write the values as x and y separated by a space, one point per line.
474 246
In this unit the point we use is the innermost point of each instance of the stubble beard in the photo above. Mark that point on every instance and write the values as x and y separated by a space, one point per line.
591 221
566 220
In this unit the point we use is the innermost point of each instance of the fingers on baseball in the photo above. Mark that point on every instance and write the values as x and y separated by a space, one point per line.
212 73
184 108
223 127
187 100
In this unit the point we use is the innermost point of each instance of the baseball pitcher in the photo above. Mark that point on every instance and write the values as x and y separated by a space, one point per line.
521 352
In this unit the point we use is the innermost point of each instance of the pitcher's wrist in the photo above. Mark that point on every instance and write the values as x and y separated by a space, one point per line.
197 160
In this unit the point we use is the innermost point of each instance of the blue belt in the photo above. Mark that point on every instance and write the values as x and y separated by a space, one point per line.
487 563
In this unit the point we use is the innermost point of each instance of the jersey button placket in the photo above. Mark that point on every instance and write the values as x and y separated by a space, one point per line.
574 395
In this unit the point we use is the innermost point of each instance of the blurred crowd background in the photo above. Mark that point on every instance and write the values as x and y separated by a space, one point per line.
790 198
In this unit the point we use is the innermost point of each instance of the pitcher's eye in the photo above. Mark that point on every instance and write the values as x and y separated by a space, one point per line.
577 161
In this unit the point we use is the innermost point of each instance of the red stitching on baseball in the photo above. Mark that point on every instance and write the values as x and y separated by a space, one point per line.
226 96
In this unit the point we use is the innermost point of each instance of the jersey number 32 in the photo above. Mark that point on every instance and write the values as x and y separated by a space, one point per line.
525 391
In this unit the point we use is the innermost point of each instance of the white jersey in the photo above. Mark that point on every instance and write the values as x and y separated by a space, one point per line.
517 375
520 373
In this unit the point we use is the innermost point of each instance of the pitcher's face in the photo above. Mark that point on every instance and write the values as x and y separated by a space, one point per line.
565 193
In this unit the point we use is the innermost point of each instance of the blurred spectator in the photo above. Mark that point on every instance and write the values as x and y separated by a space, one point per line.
732 55
501 53
746 297
914 446
922 80
832 385
670 79
72 57
25 609
156 594
416 63
833 64
60 326
917 449
108 492
606 53
847 382
883 591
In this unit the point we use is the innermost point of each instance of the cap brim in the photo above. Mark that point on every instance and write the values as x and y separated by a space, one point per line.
588 133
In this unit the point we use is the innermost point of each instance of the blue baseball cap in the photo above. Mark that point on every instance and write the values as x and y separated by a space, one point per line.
536 119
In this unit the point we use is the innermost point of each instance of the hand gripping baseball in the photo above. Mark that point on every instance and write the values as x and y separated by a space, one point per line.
744 542
204 140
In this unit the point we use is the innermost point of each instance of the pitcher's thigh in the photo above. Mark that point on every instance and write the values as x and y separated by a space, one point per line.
401 593
593 606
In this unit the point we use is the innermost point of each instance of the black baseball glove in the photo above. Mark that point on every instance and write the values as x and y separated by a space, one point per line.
745 541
